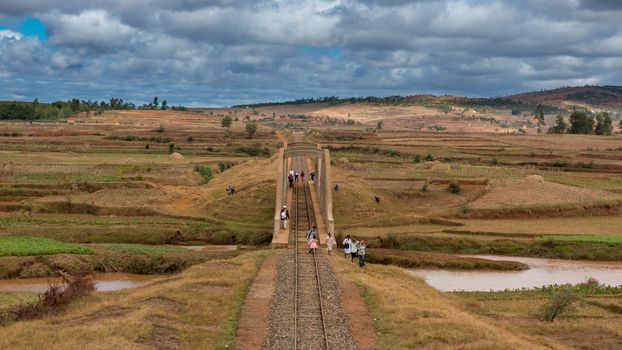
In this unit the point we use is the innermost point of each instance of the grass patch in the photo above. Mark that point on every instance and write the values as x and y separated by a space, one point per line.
426 260
513 247
609 239
589 288
24 245
16 298
144 249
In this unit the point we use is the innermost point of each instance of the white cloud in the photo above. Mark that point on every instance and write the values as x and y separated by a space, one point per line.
219 50
92 28
9 35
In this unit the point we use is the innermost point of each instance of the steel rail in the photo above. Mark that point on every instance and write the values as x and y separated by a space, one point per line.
317 272
296 273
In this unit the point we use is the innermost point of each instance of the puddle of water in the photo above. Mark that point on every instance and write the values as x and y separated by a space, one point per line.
104 282
541 272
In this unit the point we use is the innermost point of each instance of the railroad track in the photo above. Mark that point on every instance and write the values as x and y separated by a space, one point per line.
309 323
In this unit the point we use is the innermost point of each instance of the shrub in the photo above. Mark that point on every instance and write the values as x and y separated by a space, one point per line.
53 299
171 147
222 166
159 129
417 158
147 146
254 151
390 241
190 139
454 188
429 157
251 130
560 303
205 172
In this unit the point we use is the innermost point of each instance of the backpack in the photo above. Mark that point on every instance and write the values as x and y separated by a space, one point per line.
346 245
283 215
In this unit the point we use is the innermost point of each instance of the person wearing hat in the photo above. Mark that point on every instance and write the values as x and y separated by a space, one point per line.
284 217
361 252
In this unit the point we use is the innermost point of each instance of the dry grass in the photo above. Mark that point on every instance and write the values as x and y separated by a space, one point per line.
409 314
588 327
590 225
529 193
196 310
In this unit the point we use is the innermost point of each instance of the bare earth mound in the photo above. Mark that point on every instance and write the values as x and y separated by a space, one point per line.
529 193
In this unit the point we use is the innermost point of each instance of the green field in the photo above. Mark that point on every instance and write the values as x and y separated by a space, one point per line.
610 239
23 246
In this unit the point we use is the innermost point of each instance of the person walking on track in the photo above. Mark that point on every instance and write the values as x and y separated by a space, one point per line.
302 176
296 176
284 217
330 242
312 244
311 233
312 175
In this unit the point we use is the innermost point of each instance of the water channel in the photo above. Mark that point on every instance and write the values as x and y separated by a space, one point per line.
541 272
104 282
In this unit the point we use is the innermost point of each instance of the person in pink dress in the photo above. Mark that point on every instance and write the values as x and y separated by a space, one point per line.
312 245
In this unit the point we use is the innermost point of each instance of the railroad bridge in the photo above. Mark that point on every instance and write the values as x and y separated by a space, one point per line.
307 157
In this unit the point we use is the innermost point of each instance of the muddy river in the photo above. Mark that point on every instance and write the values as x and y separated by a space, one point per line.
104 282
541 272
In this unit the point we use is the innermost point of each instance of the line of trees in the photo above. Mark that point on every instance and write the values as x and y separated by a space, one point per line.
62 109
495 102
582 123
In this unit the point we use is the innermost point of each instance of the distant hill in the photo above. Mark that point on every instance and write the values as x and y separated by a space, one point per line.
597 96
609 97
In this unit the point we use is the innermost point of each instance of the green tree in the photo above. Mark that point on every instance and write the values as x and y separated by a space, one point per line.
75 105
164 105
154 104
581 123
560 126
604 124
540 114
251 130
379 125
225 122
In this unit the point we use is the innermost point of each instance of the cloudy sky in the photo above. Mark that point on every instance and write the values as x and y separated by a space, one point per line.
222 52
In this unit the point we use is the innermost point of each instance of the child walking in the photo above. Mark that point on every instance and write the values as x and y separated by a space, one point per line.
330 242
312 245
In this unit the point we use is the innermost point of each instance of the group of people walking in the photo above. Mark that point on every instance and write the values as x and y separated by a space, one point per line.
295 176
355 249
352 247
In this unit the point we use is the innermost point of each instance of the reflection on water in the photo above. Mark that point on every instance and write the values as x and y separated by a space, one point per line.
541 272
104 282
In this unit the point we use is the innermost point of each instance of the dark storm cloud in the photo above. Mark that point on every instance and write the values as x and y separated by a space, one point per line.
602 5
228 51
